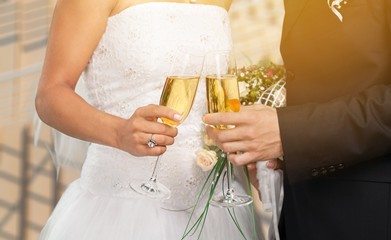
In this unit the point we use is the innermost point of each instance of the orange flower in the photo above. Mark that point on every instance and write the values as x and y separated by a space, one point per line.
233 105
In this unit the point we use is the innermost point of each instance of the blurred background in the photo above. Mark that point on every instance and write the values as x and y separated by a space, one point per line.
29 183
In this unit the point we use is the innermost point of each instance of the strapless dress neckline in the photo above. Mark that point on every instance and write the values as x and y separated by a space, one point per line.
167 4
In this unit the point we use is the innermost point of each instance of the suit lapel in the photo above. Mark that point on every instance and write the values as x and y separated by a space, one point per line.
293 9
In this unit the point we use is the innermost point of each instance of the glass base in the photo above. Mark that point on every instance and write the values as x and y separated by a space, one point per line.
151 189
231 201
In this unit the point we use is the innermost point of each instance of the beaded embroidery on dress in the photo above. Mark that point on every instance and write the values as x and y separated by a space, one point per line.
127 71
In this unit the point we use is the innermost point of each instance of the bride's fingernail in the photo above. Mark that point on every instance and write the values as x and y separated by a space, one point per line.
177 117
270 164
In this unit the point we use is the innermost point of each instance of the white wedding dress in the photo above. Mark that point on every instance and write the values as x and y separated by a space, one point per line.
127 71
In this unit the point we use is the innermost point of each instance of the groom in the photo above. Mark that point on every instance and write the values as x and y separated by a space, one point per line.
335 133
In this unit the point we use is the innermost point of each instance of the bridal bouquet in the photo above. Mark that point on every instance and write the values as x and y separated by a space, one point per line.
261 83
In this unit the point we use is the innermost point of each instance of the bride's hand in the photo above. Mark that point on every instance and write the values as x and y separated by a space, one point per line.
134 134
252 170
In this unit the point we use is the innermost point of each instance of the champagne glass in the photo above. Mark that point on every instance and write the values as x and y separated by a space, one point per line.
178 94
223 96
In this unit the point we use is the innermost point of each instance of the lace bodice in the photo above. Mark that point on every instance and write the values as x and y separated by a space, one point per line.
127 70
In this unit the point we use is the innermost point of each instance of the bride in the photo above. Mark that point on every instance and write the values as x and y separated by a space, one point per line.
121 49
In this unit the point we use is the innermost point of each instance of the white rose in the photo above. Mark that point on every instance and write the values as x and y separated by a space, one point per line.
206 159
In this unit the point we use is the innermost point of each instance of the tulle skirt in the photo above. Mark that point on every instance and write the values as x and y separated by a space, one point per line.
82 215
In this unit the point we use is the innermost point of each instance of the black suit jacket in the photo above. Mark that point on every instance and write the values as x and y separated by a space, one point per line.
336 130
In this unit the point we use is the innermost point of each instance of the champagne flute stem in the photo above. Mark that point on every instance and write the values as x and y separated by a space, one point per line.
154 173
151 185
230 191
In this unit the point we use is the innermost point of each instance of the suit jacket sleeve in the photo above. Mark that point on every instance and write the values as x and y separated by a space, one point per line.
340 133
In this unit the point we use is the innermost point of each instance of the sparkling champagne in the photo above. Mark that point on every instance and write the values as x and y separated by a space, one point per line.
222 94
178 94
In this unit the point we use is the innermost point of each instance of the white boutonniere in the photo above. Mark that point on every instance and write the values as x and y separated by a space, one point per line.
335 5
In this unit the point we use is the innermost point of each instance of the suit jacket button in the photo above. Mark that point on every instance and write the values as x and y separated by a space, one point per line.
314 172
340 166
332 168
323 171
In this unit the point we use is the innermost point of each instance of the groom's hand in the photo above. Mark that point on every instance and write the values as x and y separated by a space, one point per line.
256 135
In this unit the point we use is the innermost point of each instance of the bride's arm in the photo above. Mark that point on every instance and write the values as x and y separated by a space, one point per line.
228 4
221 3
76 29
